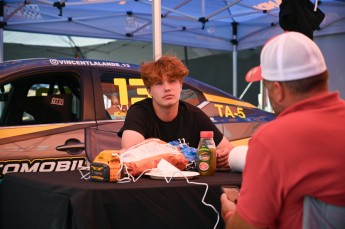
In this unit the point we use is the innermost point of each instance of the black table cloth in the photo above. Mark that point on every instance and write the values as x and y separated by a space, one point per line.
64 200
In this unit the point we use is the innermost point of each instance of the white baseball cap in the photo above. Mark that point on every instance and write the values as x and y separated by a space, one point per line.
288 56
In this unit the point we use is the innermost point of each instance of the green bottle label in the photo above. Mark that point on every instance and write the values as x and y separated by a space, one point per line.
206 160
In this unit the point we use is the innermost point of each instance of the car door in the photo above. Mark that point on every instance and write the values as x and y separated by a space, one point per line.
115 91
44 114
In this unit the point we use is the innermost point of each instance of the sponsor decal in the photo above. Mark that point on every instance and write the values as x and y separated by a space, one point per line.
123 90
88 63
57 101
41 165
225 111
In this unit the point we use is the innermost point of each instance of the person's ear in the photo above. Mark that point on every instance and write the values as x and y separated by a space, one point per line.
149 91
278 92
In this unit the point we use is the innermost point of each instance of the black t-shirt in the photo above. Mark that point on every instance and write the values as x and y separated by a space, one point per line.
188 123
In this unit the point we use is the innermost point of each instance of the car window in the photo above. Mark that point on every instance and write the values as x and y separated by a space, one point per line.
111 99
41 99
5 91
120 92
189 96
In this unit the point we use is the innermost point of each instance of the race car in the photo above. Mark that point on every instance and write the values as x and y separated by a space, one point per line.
58 114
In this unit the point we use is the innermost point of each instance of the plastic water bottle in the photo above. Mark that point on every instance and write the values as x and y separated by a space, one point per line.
207 159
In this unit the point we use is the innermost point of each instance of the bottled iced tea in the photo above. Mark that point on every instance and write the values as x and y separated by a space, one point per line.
207 159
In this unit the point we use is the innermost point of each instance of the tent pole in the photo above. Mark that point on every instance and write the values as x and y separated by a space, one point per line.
234 42
156 29
234 70
2 45
2 31
186 56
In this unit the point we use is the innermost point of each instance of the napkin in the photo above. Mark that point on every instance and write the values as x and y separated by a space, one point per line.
166 168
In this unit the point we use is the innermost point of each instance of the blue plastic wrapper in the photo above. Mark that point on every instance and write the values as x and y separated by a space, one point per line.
190 153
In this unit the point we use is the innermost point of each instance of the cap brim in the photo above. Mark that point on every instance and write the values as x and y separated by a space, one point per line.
254 74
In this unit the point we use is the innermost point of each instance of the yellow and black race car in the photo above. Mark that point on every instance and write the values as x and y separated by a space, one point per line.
57 114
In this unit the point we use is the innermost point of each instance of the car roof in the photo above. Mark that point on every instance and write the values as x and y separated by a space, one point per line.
11 66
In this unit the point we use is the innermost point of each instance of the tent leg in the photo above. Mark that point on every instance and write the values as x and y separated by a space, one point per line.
1 31
234 42
186 56
2 45
234 71
157 29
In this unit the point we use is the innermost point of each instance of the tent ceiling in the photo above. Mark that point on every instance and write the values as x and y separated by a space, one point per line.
192 23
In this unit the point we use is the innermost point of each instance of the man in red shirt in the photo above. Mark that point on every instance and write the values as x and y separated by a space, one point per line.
300 153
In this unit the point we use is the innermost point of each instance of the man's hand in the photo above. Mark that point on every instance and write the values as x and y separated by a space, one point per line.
231 218
222 151
227 206
222 157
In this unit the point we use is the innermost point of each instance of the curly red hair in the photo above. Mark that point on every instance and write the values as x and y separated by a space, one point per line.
169 66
